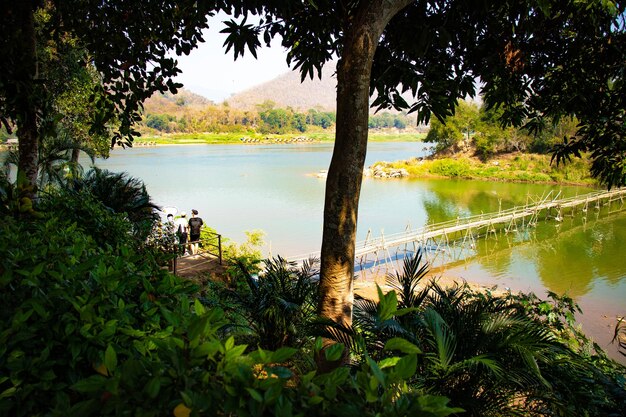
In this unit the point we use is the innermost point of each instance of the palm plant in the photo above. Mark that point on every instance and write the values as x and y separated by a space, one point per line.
120 193
278 306
407 283
482 351
486 353
56 164
376 322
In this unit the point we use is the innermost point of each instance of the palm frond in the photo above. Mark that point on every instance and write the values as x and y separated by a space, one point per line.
407 282
442 339
348 335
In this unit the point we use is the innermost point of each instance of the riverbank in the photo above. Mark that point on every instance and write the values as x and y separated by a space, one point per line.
390 135
515 167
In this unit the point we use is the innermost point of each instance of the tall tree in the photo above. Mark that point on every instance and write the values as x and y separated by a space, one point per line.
537 59
126 42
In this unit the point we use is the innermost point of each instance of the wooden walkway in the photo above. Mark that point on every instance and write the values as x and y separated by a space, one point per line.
468 228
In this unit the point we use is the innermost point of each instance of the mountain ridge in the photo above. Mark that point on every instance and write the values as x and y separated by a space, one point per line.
287 90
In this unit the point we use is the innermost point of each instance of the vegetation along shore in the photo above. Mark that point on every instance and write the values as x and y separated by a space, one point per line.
517 167
472 144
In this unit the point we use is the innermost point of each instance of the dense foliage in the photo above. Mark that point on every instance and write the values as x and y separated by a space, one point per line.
478 131
93 325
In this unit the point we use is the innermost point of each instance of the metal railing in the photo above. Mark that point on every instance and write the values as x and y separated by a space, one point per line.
206 246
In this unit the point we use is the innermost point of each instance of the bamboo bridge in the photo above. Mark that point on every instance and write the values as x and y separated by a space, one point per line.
461 233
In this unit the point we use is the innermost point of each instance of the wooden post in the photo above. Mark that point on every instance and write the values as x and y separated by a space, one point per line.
219 247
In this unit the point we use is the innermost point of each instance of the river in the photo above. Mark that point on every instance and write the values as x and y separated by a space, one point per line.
238 188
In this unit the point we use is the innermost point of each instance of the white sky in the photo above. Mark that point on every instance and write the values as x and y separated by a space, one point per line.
208 71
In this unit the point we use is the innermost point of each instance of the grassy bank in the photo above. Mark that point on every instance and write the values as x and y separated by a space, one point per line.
259 138
512 167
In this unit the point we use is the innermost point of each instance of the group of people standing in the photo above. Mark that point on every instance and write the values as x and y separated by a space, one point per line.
187 230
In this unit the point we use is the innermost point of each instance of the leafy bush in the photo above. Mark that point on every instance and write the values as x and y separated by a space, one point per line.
87 330
70 308
247 255
278 305
456 168
104 226
120 193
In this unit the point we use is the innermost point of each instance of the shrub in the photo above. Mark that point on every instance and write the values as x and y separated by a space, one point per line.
450 167
88 331
71 311
104 226
278 305
120 193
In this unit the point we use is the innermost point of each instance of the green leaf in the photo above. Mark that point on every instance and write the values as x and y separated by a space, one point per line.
403 345
388 362
316 399
38 269
208 349
153 387
319 344
406 367
110 359
282 354
235 352
388 304
255 394
197 328
94 383
9 392
85 408
436 405
333 352
198 307
378 373
230 342
186 399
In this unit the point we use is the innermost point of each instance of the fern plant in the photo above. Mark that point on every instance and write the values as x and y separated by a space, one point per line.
278 306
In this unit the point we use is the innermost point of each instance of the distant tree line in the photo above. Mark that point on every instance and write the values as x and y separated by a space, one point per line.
478 129
267 118
388 120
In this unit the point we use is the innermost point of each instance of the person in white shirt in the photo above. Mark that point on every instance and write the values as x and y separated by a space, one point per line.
182 230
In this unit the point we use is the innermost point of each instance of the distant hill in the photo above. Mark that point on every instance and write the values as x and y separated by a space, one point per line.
287 91
173 104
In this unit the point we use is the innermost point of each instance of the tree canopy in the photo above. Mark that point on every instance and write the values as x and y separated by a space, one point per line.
125 43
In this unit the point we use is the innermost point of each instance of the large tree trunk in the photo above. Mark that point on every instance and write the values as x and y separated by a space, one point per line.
27 123
345 174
